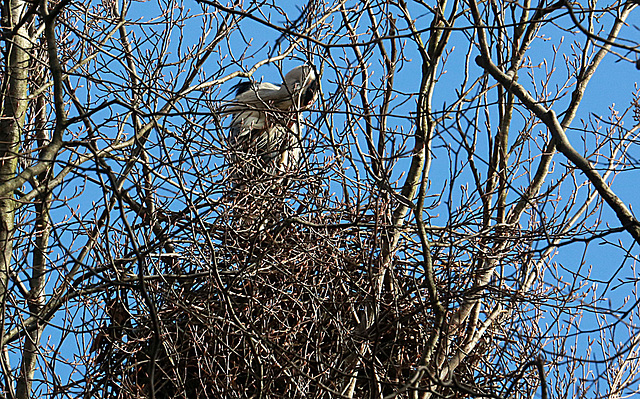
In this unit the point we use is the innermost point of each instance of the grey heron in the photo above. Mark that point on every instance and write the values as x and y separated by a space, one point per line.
266 118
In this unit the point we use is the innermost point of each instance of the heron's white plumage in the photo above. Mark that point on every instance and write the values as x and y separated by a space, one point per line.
266 120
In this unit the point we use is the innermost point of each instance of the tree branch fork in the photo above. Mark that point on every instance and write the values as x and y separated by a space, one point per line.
550 120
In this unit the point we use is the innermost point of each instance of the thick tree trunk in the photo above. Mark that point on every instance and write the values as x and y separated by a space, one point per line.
13 116
14 106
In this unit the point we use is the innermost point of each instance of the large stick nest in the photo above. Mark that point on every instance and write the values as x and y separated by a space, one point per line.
267 306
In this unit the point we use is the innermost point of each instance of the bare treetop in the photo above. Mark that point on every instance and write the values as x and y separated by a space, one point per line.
331 199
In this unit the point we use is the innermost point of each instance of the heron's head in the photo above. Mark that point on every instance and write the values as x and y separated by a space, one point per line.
302 84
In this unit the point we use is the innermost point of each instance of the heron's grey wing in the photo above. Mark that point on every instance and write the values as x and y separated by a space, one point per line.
259 129
245 122
252 134
257 95
247 110
250 126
